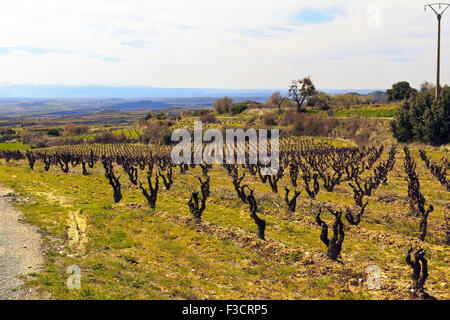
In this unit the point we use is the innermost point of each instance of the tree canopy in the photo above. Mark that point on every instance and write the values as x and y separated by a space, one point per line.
400 91
423 118
301 90
223 105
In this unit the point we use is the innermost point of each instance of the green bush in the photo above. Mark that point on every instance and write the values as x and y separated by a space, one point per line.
199 113
400 91
238 108
422 118
53 132
166 138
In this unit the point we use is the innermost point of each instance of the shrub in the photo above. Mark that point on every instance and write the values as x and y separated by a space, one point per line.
161 116
251 121
238 108
400 91
320 100
202 112
108 137
223 105
152 132
53 132
314 125
422 118
208 118
166 137
290 117
35 140
269 119
7 131
157 132
73 129
346 100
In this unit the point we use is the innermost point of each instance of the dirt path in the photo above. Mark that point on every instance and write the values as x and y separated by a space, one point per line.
20 250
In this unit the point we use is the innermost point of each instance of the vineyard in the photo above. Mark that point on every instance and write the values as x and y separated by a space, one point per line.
312 230
129 133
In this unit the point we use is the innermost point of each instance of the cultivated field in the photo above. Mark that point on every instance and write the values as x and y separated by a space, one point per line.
127 249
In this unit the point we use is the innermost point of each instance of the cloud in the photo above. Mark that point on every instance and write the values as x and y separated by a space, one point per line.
400 59
183 27
23 51
254 33
29 51
222 44
284 29
135 44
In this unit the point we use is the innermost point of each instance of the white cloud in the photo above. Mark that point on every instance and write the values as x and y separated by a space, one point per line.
221 44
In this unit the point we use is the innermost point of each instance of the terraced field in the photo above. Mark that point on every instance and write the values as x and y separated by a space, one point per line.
129 132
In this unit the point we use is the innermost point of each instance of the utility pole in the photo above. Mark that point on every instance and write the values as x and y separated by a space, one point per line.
439 9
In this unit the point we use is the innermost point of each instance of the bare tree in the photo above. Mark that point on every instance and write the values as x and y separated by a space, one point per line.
223 105
276 100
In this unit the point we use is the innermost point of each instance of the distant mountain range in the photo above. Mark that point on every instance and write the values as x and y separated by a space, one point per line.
138 105
136 92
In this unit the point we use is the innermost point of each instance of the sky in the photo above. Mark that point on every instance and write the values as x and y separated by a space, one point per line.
233 44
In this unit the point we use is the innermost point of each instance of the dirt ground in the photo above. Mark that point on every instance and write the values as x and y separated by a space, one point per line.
20 250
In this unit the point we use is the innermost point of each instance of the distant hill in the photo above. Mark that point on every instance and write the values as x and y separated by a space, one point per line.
130 92
138 105
136 92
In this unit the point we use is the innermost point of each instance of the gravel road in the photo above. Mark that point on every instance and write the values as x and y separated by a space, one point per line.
20 250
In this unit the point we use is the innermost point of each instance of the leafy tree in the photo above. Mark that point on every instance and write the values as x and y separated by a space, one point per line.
400 91
237 109
422 118
401 126
427 86
73 129
7 131
436 120
320 100
202 112
161 116
347 99
223 105
300 91
241 106
287 103
53 132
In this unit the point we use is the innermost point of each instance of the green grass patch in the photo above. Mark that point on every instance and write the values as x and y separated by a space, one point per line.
378 112
14 146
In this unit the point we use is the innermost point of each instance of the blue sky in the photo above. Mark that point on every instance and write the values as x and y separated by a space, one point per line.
309 16
236 44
